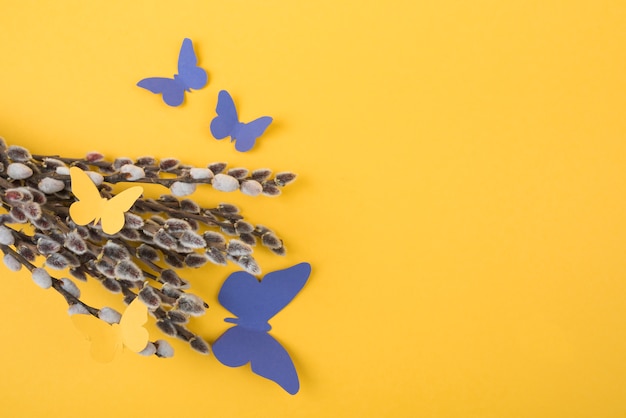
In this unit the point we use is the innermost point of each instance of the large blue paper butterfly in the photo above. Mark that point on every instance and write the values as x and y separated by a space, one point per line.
254 303
189 76
226 123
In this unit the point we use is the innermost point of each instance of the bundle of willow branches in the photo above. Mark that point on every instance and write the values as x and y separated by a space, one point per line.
159 237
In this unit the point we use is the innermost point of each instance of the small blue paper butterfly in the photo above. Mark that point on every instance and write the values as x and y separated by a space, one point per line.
254 303
189 76
226 123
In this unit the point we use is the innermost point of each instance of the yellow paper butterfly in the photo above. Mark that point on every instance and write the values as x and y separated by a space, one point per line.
90 206
109 340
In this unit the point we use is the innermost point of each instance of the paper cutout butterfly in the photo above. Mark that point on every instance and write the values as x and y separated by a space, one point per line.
254 303
93 207
226 123
189 76
109 340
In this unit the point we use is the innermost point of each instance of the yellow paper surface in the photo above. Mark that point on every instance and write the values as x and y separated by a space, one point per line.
460 198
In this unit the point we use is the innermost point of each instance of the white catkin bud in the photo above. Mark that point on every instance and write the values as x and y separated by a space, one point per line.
251 188
180 188
47 246
12 263
77 309
190 304
75 243
53 163
127 270
261 174
214 238
19 171
150 297
115 251
109 315
121 161
94 156
270 240
32 210
97 178
17 153
199 345
177 226
238 173
133 172
164 349
215 256
191 239
248 263
236 248
200 173
42 278
132 221
225 183
164 240
49 185
196 260
284 178
149 350
63 171
6 236
56 261
70 287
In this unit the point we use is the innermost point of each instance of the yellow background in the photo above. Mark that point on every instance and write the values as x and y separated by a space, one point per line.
462 168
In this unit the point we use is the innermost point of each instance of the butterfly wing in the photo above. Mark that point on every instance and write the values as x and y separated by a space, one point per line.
90 203
192 76
238 346
114 208
133 334
105 339
256 302
226 120
247 133
173 91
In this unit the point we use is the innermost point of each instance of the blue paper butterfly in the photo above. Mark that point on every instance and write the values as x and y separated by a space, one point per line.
189 76
255 303
226 123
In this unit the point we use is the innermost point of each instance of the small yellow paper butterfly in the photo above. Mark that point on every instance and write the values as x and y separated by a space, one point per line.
109 340
93 207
